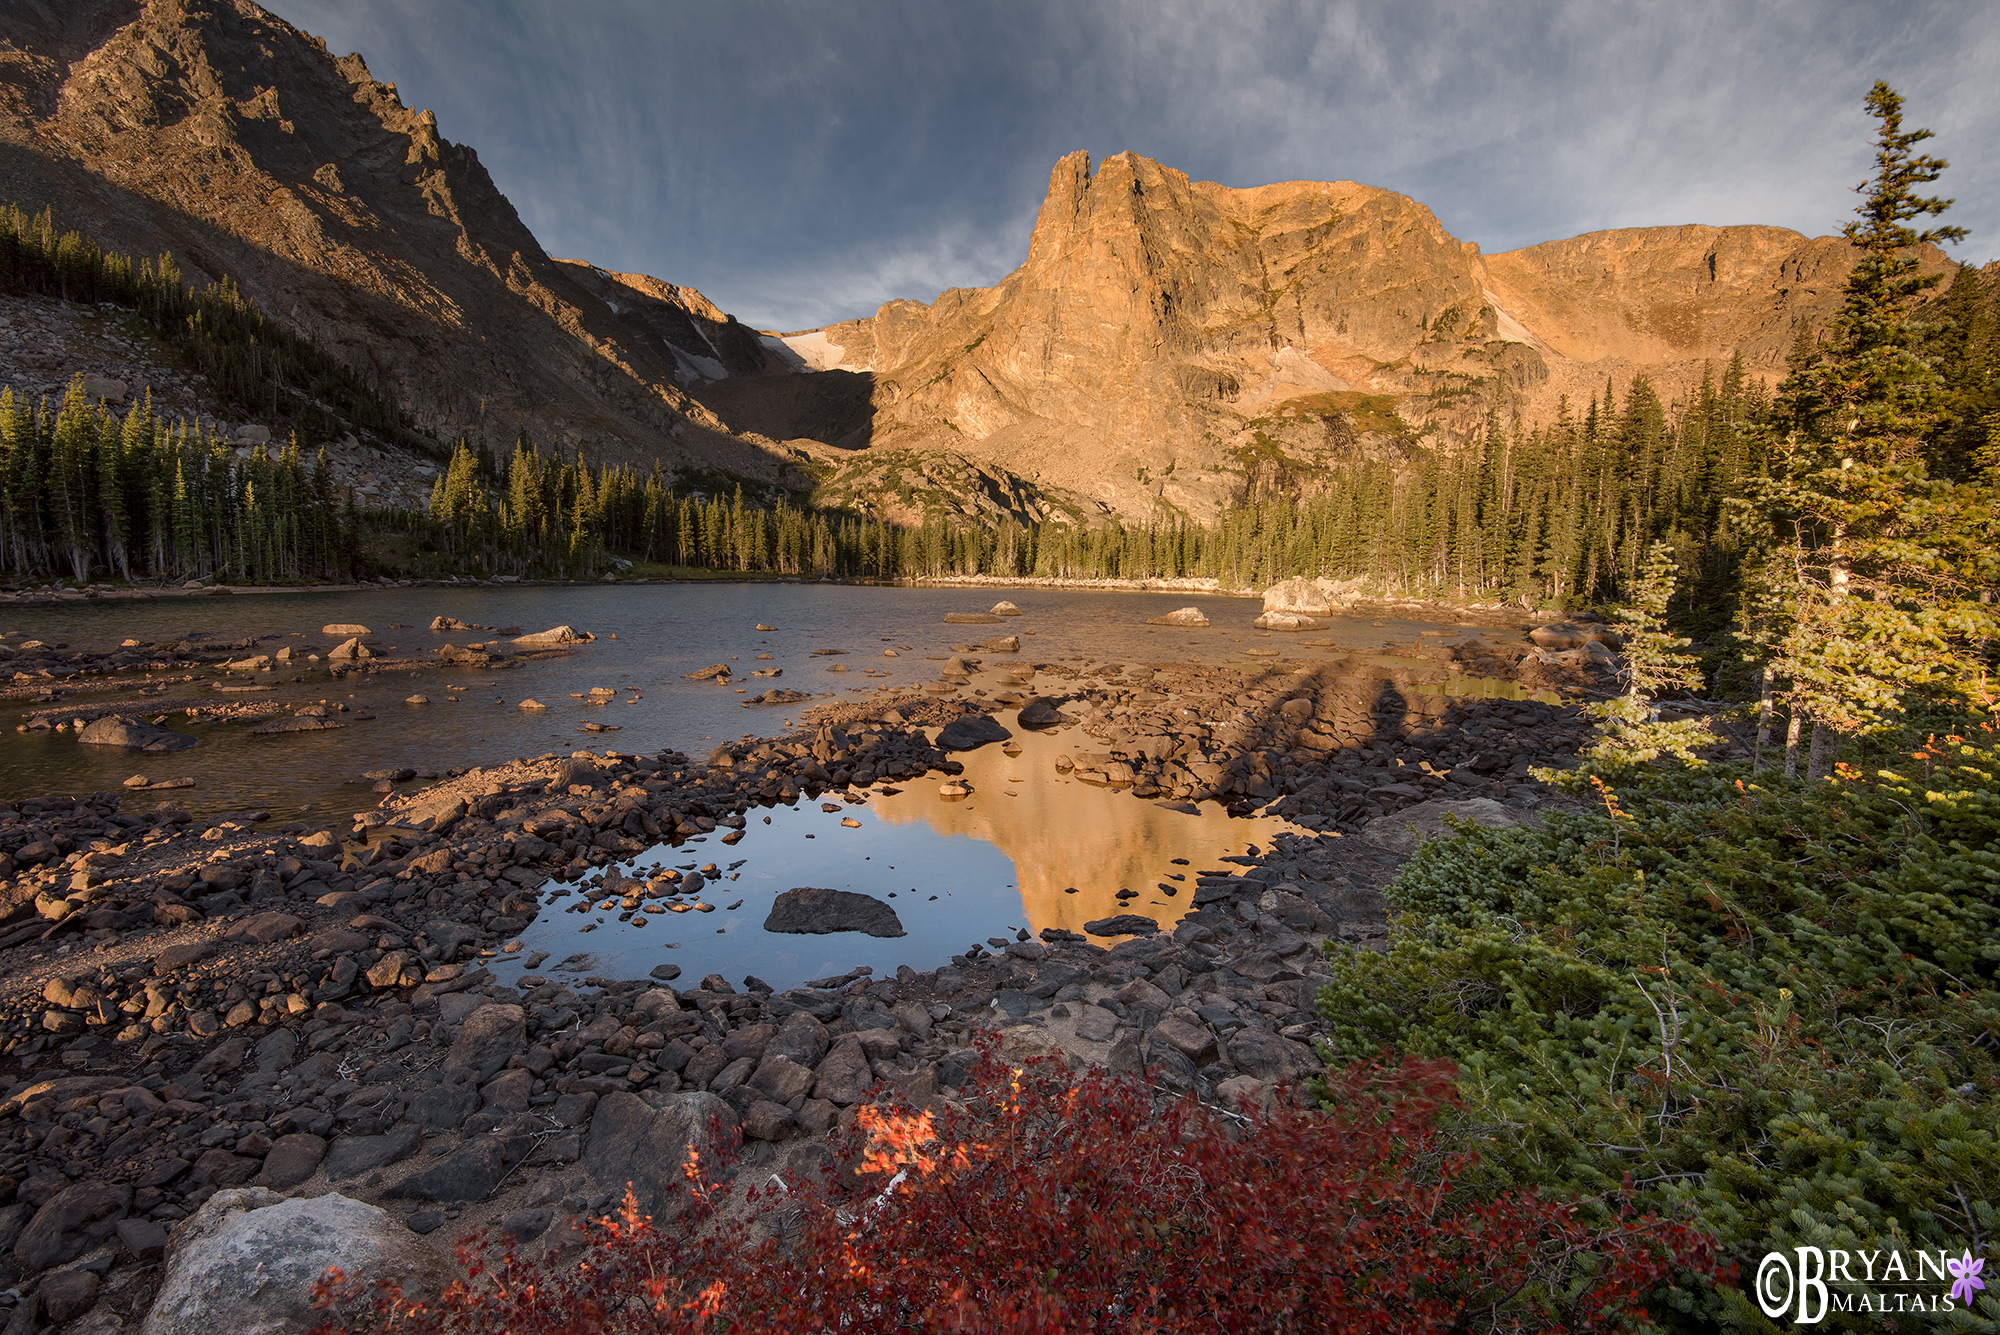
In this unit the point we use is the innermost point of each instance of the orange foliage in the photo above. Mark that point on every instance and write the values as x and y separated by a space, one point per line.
1051 1202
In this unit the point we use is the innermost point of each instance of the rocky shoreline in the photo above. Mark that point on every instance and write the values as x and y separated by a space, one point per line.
196 1006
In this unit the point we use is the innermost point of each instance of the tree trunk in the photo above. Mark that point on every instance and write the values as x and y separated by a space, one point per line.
1792 745
1763 721
1820 763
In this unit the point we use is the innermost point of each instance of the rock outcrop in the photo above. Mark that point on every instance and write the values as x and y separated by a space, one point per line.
1178 341
222 134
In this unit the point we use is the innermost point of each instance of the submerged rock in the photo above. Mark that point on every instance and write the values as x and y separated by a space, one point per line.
971 619
813 911
303 723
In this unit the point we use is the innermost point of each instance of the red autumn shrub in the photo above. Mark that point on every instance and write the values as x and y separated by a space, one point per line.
1058 1202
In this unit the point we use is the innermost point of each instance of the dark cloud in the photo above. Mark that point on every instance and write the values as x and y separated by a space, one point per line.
802 161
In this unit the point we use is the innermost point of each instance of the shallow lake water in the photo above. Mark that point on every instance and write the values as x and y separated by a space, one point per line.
663 630
962 871
1028 849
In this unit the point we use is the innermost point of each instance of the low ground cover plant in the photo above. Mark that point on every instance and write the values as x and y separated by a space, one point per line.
1777 1006
1056 1201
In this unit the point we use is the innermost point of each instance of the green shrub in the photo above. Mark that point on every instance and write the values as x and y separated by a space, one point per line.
1776 1008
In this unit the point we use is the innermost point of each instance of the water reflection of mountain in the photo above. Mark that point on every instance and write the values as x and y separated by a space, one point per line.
1062 833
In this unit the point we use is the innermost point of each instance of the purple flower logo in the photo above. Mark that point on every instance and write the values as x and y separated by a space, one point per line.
1965 1277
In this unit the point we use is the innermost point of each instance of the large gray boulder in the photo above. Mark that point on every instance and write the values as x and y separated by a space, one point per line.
247 1260
633 1144
811 910
969 732
1300 596
1401 831
134 734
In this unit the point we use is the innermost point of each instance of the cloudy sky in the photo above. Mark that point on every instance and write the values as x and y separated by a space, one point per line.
803 161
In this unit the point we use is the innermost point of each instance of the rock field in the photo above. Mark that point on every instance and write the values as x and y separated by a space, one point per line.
191 1007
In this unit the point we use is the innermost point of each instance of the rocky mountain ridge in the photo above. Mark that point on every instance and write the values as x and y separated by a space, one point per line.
1166 343
216 131
1163 331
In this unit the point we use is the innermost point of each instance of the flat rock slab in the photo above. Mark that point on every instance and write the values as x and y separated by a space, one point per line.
971 619
305 723
133 734
813 911
1401 831
1123 924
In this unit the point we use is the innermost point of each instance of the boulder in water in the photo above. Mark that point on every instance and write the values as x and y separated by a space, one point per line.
133 734
1122 924
969 732
1564 635
1183 616
705 674
345 630
1003 608
1287 621
554 638
1006 644
812 911
1042 712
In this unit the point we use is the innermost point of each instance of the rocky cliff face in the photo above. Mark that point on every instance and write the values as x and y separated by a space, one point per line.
215 130
1169 340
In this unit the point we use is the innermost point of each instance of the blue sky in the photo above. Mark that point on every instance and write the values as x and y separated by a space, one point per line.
803 161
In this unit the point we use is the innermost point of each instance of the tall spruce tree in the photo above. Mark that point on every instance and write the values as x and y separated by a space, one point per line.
1865 608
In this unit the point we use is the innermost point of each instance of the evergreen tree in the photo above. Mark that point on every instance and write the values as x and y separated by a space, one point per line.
1873 611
